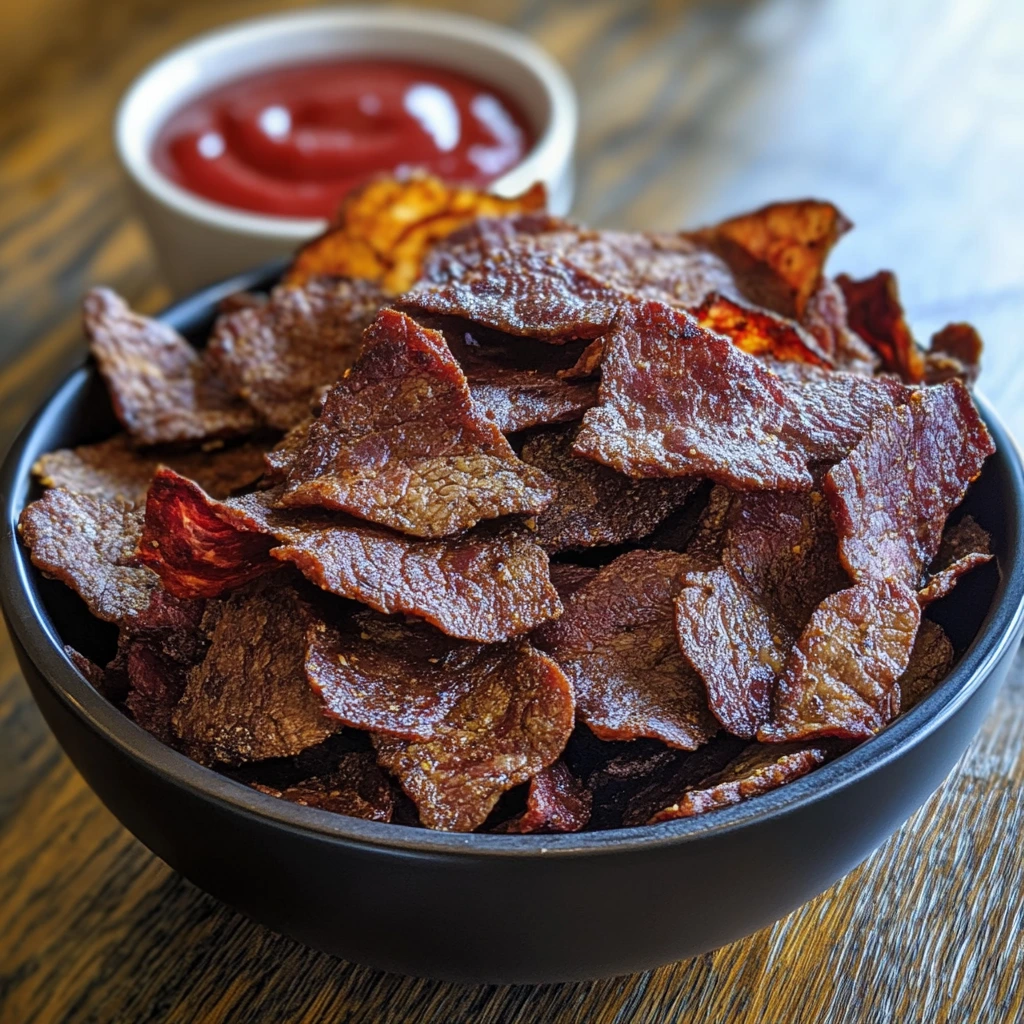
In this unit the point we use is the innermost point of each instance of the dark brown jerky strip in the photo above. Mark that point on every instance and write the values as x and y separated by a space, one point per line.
401 443
735 644
759 769
504 730
94 673
161 389
278 460
384 676
955 351
249 699
522 399
357 787
568 578
89 544
116 469
616 641
841 678
930 662
676 400
557 802
825 317
155 686
777 253
708 540
279 354
596 505
964 547
875 313
890 497
486 585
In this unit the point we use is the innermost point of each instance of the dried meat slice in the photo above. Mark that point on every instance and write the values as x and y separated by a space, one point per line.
841 677
735 644
759 769
277 356
161 389
930 662
875 313
567 578
825 318
964 547
595 505
384 230
486 585
115 469
616 641
708 540
401 443
955 351
557 802
890 497
503 731
676 400
356 787
89 545
384 676
249 699
777 253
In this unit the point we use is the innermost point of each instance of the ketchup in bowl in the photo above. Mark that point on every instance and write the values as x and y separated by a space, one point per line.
294 140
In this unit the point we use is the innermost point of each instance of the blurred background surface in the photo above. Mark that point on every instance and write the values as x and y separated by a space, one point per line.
910 117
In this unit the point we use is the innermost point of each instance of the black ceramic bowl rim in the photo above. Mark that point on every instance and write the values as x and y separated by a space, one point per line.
30 622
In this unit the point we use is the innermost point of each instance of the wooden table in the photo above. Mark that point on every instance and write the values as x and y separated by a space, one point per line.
911 117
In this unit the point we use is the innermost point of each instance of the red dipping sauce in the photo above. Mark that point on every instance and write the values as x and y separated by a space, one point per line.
293 141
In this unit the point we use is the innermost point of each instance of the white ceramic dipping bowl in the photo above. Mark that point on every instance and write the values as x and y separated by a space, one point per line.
198 241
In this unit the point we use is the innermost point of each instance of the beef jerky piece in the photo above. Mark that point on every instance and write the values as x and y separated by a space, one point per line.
115 469
279 459
386 677
89 544
588 364
155 686
734 643
874 312
759 332
401 443
250 699
676 400
777 253
841 678
708 541
833 413
890 497
486 585
759 769
964 547
568 578
930 662
92 672
825 318
357 787
278 355
616 641
596 505
384 230
954 352
557 802
504 730
161 389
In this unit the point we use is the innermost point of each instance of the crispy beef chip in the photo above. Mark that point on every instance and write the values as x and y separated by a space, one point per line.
401 443
506 728
964 547
357 787
89 544
890 497
760 768
277 356
161 389
384 230
841 678
486 585
249 699
557 802
778 253
930 662
875 313
595 505
676 400
616 641
114 469
734 643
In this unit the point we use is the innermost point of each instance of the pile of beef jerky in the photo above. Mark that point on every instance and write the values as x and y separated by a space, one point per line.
483 520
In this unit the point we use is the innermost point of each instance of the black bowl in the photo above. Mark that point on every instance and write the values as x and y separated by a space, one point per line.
487 907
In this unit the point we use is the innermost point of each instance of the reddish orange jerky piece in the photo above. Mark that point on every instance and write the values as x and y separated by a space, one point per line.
557 802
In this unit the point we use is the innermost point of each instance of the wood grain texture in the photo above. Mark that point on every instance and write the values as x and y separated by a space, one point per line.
910 117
